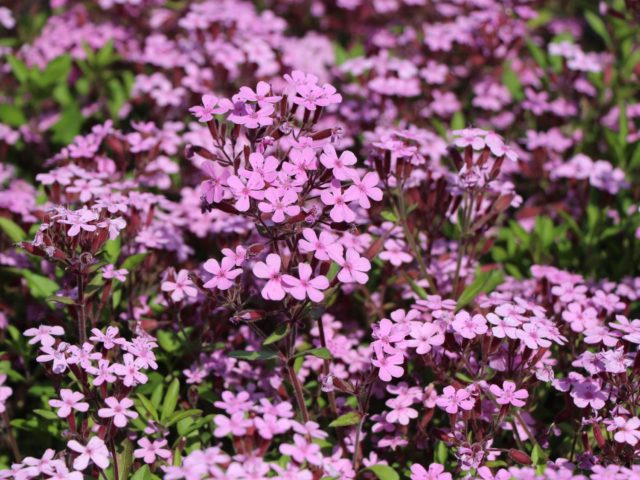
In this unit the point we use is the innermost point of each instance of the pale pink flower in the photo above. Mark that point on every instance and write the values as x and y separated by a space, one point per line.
354 268
224 274
453 400
508 394
181 287
340 166
305 286
69 400
95 451
119 410
149 450
270 270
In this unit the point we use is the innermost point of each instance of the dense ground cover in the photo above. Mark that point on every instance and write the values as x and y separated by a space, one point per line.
325 239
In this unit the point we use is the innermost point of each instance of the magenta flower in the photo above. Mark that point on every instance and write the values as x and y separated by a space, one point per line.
119 410
181 287
273 290
508 394
305 286
354 268
223 273
69 400
453 400
211 105
149 450
95 451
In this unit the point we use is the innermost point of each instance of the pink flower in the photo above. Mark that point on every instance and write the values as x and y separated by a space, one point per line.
354 268
503 327
130 371
69 401
341 166
424 336
79 221
261 95
95 451
270 270
388 366
149 450
401 411
508 394
453 400
324 247
181 287
213 188
588 393
340 211
43 334
364 189
395 253
252 117
435 472
627 430
533 336
468 326
264 169
211 105
280 204
223 273
302 450
236 425
109 271
387 334
245 192
118 410
305 286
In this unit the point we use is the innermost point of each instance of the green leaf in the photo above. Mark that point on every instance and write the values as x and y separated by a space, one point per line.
62 300
12 115
168 341
105 55
281 331
389 216
458 121
598 26
112 250
40 286
537 53
133 261
125 459
441 453
254 355
48 414
12 230
170 400
511 80
178 416
384 472
623 124
69 125
348 419
19 69
148 406
320 352
143 473
56 71
483 282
